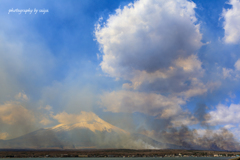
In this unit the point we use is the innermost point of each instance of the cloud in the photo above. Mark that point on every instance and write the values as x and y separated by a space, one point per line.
148 36
233 74
227 73
3 135
98 56
151 104
225 115
21 96
182 76
237 65
153 46
229 126
48 108
232 23
150 44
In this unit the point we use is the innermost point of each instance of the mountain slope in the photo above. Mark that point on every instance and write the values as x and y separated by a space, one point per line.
91 121
84 131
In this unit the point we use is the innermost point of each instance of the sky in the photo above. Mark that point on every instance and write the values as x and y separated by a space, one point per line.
144 66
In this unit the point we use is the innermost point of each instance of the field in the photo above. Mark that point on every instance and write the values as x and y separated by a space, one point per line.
113 153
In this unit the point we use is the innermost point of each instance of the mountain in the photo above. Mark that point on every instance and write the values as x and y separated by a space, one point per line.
88 120
88 131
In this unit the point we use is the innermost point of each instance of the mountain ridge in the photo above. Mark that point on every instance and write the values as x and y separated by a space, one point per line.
85 131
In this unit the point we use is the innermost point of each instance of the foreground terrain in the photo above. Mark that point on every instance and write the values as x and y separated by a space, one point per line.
113 153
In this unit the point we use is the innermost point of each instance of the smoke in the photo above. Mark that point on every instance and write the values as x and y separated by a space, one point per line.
16 119
210 140
201 114
201 139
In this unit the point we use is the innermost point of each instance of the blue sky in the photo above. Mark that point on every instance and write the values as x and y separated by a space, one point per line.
144 64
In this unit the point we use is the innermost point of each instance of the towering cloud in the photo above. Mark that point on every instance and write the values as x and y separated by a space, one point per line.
152 45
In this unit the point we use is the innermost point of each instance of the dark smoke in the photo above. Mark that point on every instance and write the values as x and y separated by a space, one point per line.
201 114
206 138
223 140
